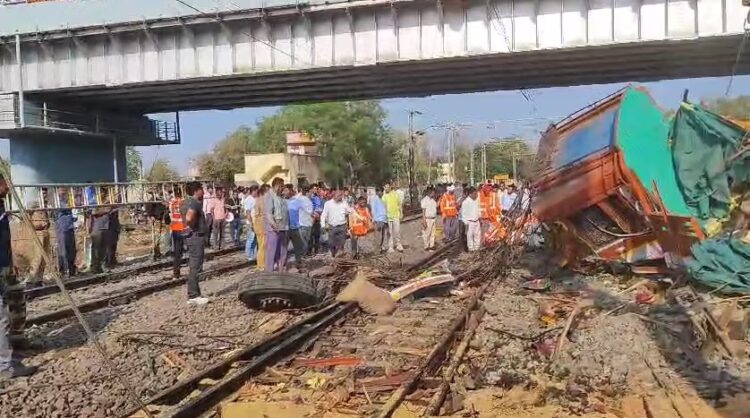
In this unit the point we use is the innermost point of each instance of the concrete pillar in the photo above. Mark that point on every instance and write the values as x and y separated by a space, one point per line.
64 158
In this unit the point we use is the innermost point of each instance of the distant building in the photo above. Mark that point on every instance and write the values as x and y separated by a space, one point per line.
300 163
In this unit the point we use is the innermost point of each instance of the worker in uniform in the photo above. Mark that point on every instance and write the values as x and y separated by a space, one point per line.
177 229
99 232
360 222
12 319
195 230
488 208
37 263
449 212
65 236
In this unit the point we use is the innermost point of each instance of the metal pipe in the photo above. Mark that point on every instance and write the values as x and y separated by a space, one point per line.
19 65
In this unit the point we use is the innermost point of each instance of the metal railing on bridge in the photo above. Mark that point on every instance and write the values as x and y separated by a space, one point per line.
58 196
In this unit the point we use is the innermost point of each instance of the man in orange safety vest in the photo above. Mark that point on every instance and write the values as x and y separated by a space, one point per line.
177 226
449 213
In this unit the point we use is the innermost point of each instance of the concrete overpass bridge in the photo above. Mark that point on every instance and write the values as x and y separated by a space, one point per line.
128 59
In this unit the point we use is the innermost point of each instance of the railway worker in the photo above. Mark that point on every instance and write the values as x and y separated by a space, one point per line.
37 264
470 216
377 209
195 230
334 220
360 223
65 234
248 206
429 214
488 208
177 229
393 201
112 238
12 319
99 230
449 212
276 227
317 204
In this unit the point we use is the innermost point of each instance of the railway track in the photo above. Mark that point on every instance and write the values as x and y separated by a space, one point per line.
234 371
141 290
118 275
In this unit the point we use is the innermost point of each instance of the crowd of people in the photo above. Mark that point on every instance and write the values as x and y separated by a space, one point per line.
272 218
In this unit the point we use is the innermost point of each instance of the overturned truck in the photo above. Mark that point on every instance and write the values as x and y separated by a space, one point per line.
608 185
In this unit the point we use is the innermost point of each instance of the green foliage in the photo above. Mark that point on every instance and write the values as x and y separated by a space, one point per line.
355 144
500 157
161 170
735 108
133 161
227 157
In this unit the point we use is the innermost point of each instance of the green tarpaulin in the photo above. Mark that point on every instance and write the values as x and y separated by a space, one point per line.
721 263
702 142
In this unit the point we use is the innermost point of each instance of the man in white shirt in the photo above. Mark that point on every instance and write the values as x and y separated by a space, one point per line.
470 218
508 199
305 215
429 213
334 218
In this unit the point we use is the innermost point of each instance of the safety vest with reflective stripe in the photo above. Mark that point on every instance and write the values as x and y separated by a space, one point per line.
175 217
359 222
448 206
487 206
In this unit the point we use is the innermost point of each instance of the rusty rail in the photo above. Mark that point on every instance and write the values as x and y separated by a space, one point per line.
259 356
118 275
129 295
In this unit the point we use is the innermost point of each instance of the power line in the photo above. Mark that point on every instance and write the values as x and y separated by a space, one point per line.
248 34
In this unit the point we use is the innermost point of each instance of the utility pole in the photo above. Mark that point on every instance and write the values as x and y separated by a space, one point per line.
412 151
471 166
484 163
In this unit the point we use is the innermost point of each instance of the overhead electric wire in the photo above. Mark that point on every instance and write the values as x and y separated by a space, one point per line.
248 34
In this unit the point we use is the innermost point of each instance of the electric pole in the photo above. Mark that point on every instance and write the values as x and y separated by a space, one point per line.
484 163
412 151
471 167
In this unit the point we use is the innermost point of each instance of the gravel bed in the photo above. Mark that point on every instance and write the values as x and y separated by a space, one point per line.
154 341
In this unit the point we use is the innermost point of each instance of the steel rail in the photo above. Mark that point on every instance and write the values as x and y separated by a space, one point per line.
260 355
129 295
116 276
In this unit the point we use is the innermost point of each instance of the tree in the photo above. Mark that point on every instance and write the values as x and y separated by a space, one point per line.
133 162
227 157
735 108
161 170
500 158
355 144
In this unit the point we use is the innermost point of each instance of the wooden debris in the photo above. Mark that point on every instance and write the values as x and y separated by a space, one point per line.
327 362
582 305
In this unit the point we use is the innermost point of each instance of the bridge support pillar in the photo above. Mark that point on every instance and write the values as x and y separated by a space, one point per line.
43 157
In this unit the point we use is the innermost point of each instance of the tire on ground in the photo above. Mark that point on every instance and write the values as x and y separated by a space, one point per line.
275 291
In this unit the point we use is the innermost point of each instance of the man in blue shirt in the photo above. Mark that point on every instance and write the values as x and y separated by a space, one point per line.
377 209
317 203
293 205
